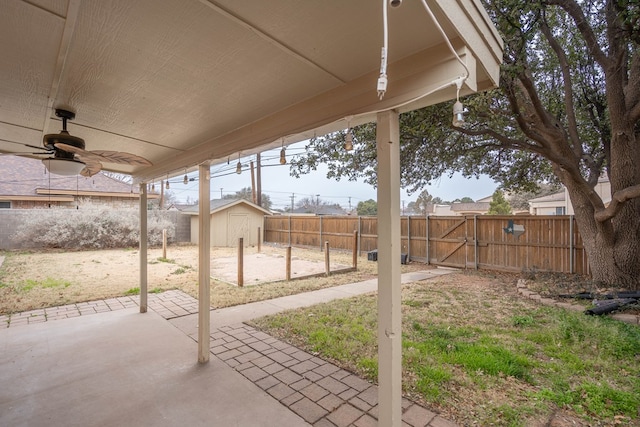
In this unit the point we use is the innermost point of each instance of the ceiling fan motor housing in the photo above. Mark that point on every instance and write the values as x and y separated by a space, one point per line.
63 137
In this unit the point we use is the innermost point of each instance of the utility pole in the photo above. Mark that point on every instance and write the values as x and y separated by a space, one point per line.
253 185
292 196
349 204
259 181
221 192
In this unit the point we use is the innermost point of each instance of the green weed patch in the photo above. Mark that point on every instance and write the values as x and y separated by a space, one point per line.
516 362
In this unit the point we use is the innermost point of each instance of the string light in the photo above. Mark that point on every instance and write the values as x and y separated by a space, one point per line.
239 166
167 186
348 141
458 109
283 154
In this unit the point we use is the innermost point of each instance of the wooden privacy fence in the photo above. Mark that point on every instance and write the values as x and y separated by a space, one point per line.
508 243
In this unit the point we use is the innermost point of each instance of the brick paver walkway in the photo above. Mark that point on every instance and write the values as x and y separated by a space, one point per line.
318 391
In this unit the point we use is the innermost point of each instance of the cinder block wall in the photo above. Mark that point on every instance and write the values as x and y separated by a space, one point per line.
10 219
183 226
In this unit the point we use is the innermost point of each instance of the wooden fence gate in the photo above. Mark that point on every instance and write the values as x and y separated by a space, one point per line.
508 243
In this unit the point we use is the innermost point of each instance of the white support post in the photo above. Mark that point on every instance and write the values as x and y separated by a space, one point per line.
204 263
143 248
389 285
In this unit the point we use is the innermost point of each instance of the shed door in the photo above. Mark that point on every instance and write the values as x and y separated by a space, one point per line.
238 227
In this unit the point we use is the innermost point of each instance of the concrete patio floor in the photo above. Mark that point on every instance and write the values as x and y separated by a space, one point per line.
103 363
122 368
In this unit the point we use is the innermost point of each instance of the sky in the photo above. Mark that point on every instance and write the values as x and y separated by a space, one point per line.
280 186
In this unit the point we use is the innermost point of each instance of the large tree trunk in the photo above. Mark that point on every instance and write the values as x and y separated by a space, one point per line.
613 246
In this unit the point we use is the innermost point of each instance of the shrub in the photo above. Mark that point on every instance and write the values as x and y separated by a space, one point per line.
92 227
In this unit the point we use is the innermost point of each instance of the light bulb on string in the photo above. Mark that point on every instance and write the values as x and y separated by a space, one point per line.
458 108
239 166
283 154
348 140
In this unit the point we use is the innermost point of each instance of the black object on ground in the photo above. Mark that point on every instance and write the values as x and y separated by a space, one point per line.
373 256
604 307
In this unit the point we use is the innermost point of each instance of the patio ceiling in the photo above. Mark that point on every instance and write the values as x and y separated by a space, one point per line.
180 82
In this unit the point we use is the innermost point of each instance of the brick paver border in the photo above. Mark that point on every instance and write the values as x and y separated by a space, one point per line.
169 304
319 391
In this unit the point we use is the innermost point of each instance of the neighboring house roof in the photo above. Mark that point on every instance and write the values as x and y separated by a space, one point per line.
217 205
479 207
485 199
302 210
322 210
555 197
331 210
26 179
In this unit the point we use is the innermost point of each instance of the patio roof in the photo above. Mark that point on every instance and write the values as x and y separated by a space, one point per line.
187 83
181 82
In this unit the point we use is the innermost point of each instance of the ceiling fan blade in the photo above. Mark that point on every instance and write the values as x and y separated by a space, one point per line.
106 156
37 148
121 158
91 168
45 153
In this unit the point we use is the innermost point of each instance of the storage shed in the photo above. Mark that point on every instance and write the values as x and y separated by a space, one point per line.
230 220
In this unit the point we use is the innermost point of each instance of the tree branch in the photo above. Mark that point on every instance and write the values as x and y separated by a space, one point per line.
575 11
568 86
532 94
523 123
618 199
504 141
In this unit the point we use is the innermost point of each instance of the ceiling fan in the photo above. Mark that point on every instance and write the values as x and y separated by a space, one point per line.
71 158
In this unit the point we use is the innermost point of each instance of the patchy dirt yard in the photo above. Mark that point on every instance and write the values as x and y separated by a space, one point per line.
260 268
30 280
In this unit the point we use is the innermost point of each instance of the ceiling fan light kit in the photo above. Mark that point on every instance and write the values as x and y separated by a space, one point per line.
65 167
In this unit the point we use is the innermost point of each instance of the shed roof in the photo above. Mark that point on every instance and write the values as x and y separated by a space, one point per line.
218 205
